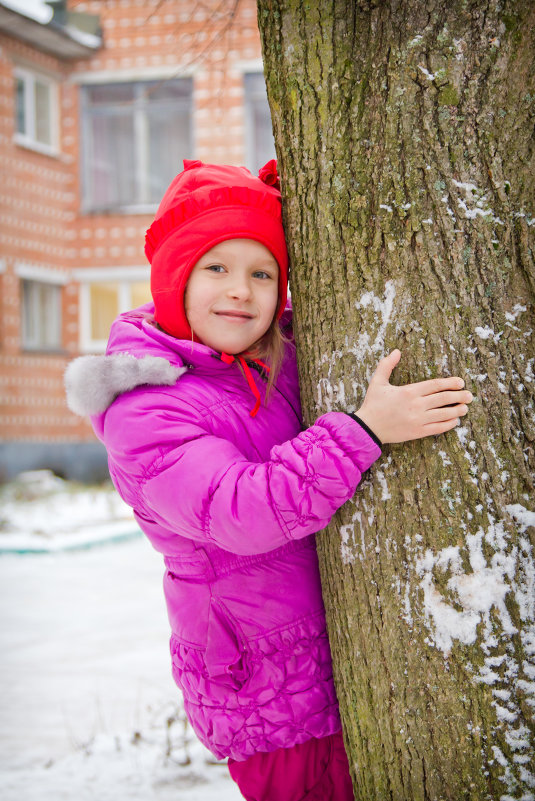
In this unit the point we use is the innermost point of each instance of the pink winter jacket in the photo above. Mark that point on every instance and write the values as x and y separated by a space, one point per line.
233 503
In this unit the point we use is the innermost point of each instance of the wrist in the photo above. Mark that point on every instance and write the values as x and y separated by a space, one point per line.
369 430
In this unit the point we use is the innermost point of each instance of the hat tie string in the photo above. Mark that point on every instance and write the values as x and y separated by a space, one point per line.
229 358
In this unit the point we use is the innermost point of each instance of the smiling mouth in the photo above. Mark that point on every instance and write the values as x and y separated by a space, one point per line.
237 315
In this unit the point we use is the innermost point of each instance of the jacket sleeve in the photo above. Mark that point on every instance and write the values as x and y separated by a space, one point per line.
201 486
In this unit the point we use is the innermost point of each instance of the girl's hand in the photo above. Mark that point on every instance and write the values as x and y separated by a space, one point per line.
412 411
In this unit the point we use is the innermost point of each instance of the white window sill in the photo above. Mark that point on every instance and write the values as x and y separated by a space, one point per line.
43 350
95 346
37 147
142 208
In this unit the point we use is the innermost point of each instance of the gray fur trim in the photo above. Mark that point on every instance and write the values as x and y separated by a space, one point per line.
93 382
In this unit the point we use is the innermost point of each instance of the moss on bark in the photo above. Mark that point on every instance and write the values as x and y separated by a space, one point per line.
404 132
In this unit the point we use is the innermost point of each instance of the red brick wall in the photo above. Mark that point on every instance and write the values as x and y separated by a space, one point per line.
41 223
38 206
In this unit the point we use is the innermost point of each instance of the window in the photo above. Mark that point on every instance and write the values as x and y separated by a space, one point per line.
104 295
135 136
260 146
104 308
36 111
41 316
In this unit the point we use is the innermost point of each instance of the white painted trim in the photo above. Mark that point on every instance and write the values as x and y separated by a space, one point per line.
141 137
139 113
95 346
89 275
37 12
132 75
20 62
29 138
87 345
33 144
55 126
125 297
44 275
124 277
248 119
84 309
142 208
41 328
253 65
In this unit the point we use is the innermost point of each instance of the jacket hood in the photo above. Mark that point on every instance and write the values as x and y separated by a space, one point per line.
138 353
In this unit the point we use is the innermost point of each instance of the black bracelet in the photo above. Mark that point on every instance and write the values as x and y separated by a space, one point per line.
367 429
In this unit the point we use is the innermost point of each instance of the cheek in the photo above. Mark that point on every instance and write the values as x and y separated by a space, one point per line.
187 307
187 294
194 313
273 303
194 298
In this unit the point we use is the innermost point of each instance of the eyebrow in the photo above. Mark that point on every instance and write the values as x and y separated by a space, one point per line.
266 264
262 261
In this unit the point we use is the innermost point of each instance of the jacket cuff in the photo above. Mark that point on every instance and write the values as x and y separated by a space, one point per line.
367 429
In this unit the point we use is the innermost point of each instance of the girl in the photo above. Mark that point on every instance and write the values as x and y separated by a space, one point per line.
197 403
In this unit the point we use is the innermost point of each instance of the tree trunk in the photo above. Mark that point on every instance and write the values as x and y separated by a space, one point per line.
405 137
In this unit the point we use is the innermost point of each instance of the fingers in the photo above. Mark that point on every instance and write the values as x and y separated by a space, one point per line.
412 411
384 369
433 429
447 398
434 385
430 430
445 413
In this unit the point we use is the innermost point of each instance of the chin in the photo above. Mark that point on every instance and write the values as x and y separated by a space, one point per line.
233 350
227 347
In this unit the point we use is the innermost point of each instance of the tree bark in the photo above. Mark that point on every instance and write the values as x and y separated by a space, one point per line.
404 133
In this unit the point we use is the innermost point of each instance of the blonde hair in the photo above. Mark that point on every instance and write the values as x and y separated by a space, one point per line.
270 349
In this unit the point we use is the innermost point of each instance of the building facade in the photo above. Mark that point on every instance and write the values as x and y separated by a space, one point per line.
100 102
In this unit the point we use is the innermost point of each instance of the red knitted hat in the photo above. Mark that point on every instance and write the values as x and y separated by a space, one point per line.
204 205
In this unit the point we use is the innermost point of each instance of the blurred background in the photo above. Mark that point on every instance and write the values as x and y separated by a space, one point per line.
100 102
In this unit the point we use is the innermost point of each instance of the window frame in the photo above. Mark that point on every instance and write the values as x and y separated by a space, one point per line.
249 100
29 139
124 277
55 281
140 128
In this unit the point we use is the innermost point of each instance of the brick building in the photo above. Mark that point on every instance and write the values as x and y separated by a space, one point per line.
100 102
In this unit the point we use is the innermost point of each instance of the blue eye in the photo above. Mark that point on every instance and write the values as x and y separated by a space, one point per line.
261 274
216 268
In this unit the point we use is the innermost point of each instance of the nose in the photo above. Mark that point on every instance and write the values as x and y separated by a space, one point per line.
239 288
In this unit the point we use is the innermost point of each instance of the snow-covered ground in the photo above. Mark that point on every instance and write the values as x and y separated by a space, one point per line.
88 708
42 513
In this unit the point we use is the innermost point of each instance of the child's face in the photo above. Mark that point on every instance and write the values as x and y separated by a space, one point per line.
232 295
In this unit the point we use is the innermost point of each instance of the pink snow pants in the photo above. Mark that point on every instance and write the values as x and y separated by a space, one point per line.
317 770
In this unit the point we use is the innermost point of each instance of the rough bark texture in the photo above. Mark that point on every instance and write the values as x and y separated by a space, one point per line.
406 148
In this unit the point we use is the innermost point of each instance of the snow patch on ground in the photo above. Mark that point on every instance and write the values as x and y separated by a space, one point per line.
89 710
42 513
133 765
